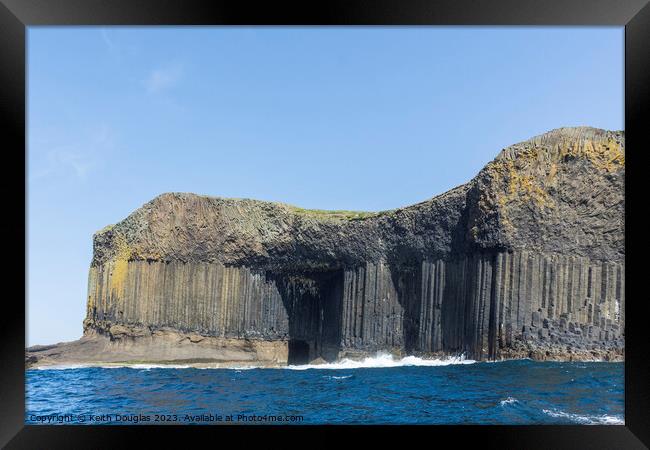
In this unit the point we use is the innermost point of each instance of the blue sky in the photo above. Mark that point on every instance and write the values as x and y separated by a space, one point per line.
331 118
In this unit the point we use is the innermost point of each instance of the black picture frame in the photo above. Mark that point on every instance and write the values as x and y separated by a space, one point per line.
16 15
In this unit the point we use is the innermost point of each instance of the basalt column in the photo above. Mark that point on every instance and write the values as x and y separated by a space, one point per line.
209 299
372 315
485 305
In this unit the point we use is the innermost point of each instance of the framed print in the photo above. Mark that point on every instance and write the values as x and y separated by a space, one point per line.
366 216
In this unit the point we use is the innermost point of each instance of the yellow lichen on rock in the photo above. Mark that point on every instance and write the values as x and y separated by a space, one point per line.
520 176
607 156
527 187
120 264
518 185
92 277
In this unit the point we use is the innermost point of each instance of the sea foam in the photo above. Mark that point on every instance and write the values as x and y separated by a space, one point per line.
509 401
384 360
602 419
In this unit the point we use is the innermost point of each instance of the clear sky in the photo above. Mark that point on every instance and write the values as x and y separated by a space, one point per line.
329 118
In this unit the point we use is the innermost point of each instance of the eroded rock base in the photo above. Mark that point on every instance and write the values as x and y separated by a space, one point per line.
164 346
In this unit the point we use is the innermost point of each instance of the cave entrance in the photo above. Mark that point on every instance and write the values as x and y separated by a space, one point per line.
313 301
298 352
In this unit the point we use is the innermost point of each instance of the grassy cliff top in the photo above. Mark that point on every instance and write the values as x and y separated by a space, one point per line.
335 214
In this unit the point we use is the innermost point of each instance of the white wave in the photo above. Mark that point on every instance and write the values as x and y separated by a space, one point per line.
157 366
338 378
384 360
603 419
502 360
509 401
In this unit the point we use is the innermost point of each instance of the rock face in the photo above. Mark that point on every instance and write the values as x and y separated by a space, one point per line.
525 260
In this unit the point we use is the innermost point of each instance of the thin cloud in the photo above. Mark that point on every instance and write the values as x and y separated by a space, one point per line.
78 159
64 161
110 45
120 50
163 78
115 51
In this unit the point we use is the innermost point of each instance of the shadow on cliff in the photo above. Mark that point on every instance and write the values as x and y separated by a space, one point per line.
313 302
406 275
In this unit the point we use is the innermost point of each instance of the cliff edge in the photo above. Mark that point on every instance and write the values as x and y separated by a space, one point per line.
525 260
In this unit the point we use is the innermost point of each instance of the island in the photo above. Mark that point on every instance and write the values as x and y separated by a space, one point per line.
526 260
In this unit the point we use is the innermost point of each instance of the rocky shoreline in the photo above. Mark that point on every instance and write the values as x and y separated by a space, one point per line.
169 348
556 355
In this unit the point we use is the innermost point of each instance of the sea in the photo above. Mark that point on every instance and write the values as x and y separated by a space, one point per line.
377 390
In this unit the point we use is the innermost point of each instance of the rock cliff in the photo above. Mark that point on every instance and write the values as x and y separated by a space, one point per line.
525 260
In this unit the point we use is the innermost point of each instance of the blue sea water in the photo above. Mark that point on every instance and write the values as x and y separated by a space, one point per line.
375 391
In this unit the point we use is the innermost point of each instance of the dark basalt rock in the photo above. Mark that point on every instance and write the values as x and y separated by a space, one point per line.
525 259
